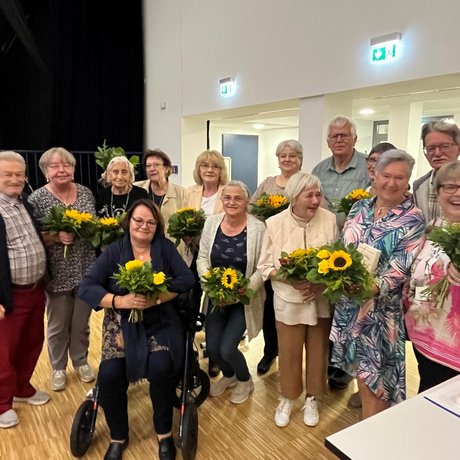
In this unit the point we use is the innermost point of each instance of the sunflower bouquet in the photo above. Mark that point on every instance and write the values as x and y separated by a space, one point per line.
226 286
138 277
106 230
448 239
342 270
186 222
346 203
269 205
61 219
296 265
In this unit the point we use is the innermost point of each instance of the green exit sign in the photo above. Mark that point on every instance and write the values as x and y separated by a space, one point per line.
386 48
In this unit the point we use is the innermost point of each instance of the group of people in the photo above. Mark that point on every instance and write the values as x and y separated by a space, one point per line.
340 342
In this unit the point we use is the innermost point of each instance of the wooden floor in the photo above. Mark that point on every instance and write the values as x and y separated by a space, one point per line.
226 431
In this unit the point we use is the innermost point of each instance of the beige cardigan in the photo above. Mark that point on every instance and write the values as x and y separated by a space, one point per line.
194 194
255 231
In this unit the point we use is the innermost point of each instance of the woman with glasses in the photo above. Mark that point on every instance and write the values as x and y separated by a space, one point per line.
152 348
168 196
441 144
120 194
372 158
290 157
68 316
435 330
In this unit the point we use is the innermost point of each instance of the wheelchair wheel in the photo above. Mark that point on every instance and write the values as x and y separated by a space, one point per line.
190 431
81 434
199 388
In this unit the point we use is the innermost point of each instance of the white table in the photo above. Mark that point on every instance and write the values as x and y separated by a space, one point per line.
415 429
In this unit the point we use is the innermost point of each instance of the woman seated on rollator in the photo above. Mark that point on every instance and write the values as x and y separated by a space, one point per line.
152 348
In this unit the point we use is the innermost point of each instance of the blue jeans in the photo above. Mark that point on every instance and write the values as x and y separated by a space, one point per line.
224 328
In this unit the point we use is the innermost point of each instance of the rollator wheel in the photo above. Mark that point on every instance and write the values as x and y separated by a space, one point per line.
190 431
80 434
199 388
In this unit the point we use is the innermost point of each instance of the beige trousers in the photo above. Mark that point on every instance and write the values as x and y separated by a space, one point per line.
291 342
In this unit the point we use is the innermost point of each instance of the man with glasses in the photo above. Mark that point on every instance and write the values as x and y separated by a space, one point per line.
441 145
343 172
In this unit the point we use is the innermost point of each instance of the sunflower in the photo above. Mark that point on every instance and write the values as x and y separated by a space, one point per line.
180 211
109 221
358 194
323 254
229 278
277 200
158 278
299 253
134 264
323 267
340 260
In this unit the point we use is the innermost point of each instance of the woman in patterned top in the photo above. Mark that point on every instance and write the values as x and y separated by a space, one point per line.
369 339
68 316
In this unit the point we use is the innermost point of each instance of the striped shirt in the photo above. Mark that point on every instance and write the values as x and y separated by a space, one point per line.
26 253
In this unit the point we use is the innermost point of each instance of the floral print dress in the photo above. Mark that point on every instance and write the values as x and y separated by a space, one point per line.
369 340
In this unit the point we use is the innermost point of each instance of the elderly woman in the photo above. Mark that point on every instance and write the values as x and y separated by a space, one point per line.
441 145
435 331
152 348
233 239
290 156
167 196
372 158
68 316
303 316
369 339
120 194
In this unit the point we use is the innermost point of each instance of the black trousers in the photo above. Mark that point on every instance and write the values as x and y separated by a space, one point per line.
113 387
432 373
269 325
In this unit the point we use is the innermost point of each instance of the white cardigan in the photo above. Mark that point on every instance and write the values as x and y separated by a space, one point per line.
255 231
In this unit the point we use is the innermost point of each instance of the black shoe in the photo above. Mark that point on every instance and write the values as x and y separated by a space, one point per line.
115 450
213 369
264 365
167 450
339 380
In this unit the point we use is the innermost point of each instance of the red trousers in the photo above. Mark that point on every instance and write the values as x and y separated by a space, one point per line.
21 342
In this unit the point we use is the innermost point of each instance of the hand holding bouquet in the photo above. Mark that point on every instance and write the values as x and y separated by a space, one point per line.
269 205
226 286
186 222
106 230
67 220
138 277
349 200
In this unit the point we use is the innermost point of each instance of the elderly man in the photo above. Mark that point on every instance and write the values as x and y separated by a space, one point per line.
344 171
441 144
22 296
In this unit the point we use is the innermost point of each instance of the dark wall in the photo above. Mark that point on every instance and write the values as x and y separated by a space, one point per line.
93 85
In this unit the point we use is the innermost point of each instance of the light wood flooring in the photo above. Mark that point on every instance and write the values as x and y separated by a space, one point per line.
226 431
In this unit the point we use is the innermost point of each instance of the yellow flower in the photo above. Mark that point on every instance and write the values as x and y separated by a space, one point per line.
159 278
229 278
276 201
77 216
260 202
358 194
323 267
208 274
323 254
133 264
340 260
179 211
299 253
108 221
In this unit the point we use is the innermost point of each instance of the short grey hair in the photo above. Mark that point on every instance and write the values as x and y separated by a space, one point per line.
238 183
9 155
61 152
340 121
445 172
298 182
295 145
119 159
441 126
393 155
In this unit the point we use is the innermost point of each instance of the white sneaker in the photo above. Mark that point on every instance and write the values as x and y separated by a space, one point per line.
283 412
58 380
310 412
217 388
242 391
9 419
86 373
39 398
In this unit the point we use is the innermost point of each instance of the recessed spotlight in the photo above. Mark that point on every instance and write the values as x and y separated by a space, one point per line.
367 111
258 126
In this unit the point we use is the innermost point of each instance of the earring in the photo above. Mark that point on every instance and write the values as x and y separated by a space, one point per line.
47 179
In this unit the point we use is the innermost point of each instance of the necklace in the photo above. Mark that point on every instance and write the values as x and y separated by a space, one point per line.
379 210
112 210
62 197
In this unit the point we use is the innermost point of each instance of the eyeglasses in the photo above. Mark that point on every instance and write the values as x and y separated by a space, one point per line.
335 137
209 166
443 148
153 165
371 160
450 189
58 165
138 222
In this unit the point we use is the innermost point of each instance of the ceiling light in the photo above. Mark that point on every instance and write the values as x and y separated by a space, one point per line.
258 126
367 111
